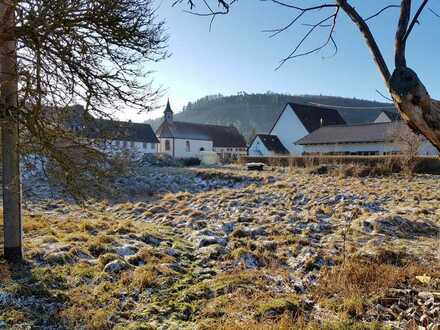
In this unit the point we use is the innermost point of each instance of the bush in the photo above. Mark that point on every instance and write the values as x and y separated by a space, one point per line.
192 161
321 169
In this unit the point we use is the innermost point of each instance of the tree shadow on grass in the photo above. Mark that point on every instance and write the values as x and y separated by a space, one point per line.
147 187
26 299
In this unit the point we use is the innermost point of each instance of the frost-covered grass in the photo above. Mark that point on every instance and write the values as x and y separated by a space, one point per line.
285 250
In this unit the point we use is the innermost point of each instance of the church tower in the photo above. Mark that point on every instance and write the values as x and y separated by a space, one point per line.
168 113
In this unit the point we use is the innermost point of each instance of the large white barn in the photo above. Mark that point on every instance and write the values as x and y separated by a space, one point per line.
292 124
361 139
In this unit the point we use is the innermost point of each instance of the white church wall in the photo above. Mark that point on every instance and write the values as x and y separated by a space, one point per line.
195 146
162 146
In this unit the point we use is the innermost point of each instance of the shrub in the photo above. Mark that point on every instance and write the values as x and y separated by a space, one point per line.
192 161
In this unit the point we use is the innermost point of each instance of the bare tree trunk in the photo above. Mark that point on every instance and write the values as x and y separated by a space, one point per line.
410 96
416 107
10 153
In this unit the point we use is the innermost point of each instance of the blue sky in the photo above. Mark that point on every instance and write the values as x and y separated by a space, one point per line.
237 56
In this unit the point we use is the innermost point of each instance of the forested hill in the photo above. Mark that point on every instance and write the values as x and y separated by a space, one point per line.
256 113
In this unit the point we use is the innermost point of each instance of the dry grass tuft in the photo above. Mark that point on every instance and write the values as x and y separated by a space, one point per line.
353 286
145 277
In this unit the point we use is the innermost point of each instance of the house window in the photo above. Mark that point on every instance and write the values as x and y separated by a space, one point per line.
152 145
188 146
132 144
118 143
124 144
167 145
144 145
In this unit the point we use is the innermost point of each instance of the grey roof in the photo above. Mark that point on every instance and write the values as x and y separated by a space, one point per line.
358 114
310 116
76 118
120 130
272 143
222 136
373 132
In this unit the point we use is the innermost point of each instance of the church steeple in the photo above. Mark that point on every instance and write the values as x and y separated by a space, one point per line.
168 113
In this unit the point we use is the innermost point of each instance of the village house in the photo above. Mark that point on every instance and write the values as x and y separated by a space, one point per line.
183 139
268 145
387 117
113 136
292 124
116 137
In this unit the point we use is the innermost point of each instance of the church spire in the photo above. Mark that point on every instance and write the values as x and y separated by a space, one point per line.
168 113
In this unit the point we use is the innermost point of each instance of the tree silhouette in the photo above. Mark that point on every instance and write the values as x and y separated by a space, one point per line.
54 53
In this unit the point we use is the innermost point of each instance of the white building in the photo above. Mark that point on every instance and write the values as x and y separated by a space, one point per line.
295 122
360 139
266 145
111 136
116 137
183 139
387 117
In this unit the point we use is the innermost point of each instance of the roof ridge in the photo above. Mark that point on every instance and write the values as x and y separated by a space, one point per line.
202 124
363 124
120 121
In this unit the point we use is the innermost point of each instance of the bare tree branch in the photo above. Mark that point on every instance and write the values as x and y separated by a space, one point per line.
415 19
434 12
384 96
329 39
381 11
402 28
369 38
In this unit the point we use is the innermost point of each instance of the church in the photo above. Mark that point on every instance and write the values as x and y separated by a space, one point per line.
184 139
